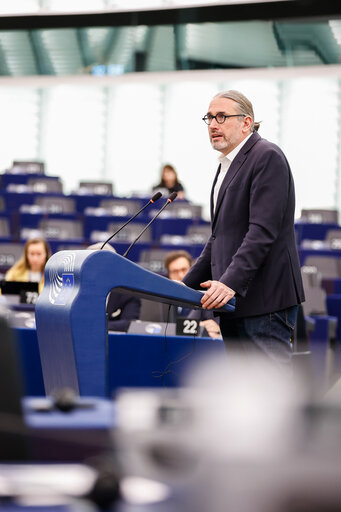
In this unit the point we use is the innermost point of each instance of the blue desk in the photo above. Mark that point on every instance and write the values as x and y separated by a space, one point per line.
309 231
32 220
153 361
15 199
69 436
133 360
29 360
94 200
321 339
304 253
173 226
22 179
87 200
101 222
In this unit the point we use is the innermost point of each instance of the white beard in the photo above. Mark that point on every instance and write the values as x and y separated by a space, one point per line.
219 145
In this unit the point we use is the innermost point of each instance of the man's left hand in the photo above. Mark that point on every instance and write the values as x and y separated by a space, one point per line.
217 294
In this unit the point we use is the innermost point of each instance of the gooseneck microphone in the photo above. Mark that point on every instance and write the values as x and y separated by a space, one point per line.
169 201
155 198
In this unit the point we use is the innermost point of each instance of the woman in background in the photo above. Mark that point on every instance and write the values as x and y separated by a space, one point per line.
31 265
170 181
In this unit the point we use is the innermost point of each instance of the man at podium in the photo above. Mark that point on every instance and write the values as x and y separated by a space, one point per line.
251 253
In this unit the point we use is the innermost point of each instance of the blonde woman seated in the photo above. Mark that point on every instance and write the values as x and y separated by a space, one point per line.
31 265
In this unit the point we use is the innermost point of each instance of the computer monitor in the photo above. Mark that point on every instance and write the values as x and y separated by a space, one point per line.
19 292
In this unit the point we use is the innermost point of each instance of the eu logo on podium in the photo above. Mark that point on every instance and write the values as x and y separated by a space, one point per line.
66 289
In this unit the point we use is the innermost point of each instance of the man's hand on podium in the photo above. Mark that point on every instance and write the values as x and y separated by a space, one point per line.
217 294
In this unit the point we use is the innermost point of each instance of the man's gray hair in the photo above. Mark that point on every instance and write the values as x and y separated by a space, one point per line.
244 105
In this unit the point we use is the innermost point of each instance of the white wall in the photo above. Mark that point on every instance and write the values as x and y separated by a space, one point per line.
122 129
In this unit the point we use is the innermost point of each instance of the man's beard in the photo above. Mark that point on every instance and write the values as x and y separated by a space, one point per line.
220 145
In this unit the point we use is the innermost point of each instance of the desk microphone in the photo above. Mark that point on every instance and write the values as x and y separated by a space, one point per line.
169 201
155 198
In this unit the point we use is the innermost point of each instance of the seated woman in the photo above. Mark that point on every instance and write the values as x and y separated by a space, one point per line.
170 181
31 265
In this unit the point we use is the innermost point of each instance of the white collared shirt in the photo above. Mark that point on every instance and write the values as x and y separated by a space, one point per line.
225 162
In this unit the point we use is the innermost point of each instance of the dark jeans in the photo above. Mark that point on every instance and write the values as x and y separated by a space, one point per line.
270 335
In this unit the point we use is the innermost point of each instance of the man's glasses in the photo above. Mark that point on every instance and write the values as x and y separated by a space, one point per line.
220 118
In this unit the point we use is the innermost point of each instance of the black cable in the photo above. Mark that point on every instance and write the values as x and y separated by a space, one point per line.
167 370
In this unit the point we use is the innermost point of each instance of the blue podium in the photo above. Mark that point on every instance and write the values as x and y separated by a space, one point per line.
71 316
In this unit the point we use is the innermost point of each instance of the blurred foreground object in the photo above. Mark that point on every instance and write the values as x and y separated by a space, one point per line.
241 437
12 429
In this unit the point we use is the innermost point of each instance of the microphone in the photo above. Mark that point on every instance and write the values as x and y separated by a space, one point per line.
155 198
169 201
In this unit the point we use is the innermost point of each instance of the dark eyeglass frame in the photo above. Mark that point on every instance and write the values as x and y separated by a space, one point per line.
209 118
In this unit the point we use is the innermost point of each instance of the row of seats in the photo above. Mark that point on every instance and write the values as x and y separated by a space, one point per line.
174 232
27 200
34 204
318 236
57 218
147 253
319 244
120 207
30 177
319 216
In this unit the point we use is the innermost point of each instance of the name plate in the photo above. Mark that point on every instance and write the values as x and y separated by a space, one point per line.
28 297
187 327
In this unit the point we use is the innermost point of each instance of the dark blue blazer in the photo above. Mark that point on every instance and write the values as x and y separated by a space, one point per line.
252 248
121 310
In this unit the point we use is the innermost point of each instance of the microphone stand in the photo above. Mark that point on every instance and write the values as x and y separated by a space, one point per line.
169 200
152 200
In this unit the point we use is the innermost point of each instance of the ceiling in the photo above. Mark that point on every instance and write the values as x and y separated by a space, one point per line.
116 50
166 37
